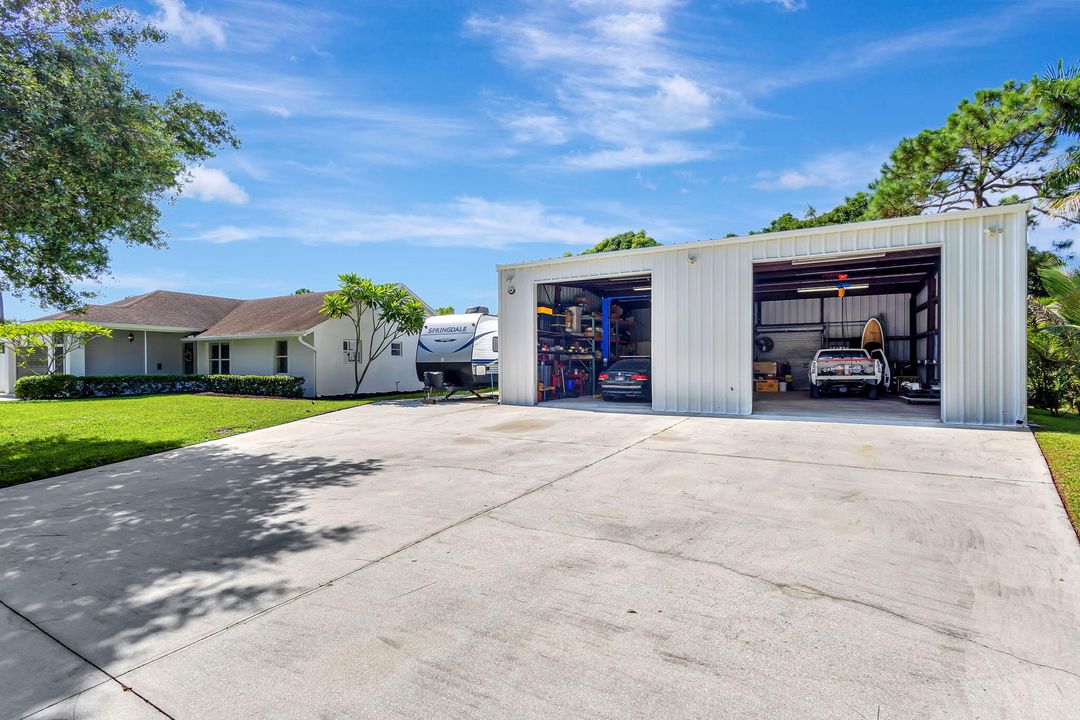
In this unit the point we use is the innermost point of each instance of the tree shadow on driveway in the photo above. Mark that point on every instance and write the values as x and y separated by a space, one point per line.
127 561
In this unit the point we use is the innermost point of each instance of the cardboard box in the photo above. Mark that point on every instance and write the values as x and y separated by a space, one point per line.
768 368
767 386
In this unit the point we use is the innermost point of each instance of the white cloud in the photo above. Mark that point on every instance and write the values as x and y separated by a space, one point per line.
667 153
464 222
789 5
210 184
224 234
841 170
546 128
640 179
189 26
615 74
356 129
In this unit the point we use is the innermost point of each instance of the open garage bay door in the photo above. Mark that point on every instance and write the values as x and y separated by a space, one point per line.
805 305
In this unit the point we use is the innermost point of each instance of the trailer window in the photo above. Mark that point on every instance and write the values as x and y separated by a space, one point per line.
395 349
495 344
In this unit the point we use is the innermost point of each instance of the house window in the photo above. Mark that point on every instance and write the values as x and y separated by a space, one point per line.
58 353
395 349
281 356
350 350
219 358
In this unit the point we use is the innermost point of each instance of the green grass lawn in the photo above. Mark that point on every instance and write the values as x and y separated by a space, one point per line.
1059 438
48 437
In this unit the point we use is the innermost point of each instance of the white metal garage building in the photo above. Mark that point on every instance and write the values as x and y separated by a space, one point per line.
951 289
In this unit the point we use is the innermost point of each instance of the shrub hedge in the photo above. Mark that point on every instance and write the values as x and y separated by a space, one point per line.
47 387
52 387
271 385
113 385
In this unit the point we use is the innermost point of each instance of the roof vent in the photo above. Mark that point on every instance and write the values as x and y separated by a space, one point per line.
477 309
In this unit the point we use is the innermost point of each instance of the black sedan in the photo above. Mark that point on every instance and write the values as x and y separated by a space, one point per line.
626 378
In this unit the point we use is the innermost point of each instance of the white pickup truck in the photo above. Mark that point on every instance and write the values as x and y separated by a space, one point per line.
844 371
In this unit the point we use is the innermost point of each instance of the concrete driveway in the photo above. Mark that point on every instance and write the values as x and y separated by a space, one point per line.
470 560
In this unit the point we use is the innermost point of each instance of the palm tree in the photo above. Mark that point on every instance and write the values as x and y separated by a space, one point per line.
1059 91
1054 339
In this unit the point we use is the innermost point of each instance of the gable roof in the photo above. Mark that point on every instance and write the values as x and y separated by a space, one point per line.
282 314
160 308
208 316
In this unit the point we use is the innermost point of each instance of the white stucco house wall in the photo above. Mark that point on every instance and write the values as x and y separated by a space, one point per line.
171 333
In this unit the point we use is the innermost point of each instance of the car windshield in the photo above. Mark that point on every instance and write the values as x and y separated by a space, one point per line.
630 366
842 355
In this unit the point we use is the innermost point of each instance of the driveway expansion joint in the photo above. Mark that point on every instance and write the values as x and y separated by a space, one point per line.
805 591
88 661
407 546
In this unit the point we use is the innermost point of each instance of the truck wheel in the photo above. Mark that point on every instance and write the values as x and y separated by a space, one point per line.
873 395
815 391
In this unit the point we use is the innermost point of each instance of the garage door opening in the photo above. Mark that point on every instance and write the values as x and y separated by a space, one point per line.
852 336
593 342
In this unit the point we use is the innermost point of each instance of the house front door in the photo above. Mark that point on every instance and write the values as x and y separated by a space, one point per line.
189 358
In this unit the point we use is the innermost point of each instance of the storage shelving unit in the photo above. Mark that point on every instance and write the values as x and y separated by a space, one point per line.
585 358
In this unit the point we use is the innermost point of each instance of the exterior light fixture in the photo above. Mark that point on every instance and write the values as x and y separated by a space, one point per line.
994 231
836 258
833 288
692 259
131 337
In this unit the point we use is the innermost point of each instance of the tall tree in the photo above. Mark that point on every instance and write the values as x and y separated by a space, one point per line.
445 310
388 310
1009 142
622 241
86 156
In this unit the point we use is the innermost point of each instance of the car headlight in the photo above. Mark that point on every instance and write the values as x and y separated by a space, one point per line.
857 369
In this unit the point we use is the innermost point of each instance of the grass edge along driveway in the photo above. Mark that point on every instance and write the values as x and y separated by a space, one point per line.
44 438
1059 439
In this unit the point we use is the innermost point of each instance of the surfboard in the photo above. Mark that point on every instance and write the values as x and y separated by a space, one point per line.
873 335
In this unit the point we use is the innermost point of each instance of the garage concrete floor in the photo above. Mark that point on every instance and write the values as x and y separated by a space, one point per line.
887 408
474 560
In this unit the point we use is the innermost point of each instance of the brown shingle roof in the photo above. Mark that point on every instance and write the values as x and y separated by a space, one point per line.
208 315
284 314
160 308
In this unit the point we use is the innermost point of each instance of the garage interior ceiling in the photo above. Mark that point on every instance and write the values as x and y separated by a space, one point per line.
895 272
612 286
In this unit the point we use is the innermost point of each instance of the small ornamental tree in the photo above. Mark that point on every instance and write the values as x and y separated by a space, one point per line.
29 341
393 311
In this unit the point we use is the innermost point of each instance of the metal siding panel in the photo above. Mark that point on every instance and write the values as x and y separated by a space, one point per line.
983 282
983 349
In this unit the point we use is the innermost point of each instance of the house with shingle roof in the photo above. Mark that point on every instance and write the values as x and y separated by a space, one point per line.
174 333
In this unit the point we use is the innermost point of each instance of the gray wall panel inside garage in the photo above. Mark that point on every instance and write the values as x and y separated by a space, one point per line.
703 314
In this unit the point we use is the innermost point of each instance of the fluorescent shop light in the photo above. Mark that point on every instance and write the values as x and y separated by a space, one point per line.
642 289
833 288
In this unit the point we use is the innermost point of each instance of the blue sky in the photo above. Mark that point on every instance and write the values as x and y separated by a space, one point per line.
425 142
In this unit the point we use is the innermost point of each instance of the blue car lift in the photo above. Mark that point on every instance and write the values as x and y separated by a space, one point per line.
606 308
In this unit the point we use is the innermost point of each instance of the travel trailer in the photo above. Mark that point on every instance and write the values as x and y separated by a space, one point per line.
464 348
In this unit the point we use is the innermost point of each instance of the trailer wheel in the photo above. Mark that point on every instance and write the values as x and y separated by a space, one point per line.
815 391
873 394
